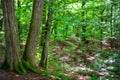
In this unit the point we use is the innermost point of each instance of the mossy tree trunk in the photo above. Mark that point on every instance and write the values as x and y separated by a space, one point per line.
12 51
32 40
43 62
13 59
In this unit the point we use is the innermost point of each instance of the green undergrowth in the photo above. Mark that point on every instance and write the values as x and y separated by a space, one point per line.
79 52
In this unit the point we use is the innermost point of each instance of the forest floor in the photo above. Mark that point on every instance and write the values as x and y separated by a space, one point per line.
8 75
94 60
71 60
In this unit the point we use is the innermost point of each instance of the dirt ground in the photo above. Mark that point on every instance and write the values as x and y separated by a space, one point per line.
8 75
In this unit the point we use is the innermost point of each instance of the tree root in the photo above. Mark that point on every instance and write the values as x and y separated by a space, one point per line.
30 67
22 67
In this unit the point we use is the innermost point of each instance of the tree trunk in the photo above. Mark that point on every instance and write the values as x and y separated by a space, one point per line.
83 24
43 62
111 24
43 22
1 19
19 6
101 28
1 23
12 51
32 40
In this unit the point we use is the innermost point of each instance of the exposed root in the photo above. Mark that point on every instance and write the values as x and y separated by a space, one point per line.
22 67
30 67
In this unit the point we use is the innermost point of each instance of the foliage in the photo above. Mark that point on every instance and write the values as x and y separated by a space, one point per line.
117 64
67 51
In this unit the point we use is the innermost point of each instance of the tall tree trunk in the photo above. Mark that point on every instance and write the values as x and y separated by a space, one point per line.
44 19
83 24
1 19
111 24
43 62
19 6
12 51
1 23
101 28
32 40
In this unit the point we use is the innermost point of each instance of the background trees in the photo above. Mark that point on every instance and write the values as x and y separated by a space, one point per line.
46 34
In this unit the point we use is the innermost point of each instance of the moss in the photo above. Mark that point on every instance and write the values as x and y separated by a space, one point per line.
30 67
17 69
22 68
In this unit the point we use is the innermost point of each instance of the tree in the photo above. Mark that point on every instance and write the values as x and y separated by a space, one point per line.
83 23
13 58
1 22
101 27
43 62
1 18
19 6
32 40
44 17
12 51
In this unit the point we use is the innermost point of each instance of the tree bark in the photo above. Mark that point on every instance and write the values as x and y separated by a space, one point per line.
43 62
101 28
19 6
1 19
44 19
32 40
12 51
1 23
111 24
83 24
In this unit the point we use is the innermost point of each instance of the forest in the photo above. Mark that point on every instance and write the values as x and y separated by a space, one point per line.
59 39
